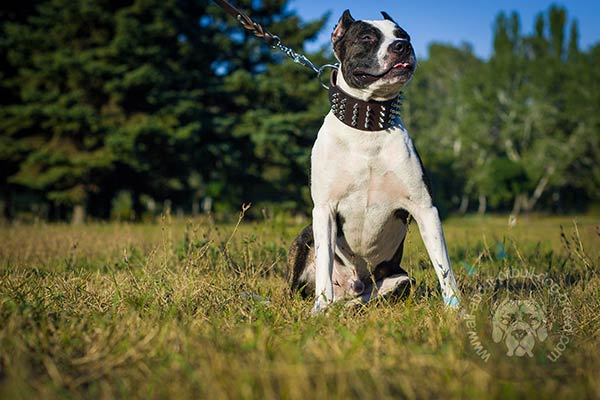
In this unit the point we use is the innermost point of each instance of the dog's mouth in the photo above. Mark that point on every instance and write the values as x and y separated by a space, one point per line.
398 69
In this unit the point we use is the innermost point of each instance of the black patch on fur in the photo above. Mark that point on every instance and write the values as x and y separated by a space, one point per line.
391 267
402 215
424 176
339 224
388 17
297 260
401 33
356 53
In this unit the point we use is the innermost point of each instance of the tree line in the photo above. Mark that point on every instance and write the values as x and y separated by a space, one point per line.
517 132
124 108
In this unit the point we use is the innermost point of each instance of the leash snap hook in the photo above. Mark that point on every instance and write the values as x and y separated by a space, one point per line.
322 69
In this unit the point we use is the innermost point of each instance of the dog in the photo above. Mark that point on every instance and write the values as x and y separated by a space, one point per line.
367 179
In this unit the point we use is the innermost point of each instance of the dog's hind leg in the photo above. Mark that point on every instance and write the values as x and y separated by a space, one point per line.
301 263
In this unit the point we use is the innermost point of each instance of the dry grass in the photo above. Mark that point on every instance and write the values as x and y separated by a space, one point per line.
194 309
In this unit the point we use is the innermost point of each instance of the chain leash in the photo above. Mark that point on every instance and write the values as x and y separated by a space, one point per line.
273 40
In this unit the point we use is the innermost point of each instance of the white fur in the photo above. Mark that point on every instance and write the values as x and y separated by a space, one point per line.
387 28
365 176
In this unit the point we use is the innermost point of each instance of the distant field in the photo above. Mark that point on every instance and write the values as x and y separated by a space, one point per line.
197 309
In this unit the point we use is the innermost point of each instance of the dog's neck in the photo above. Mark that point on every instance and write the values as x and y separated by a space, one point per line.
355 108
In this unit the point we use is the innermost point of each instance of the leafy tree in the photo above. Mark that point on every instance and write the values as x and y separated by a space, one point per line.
444 123
515 130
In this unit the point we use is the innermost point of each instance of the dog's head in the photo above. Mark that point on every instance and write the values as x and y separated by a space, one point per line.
519 323
375 56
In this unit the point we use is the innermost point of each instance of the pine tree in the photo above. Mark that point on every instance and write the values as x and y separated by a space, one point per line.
149 97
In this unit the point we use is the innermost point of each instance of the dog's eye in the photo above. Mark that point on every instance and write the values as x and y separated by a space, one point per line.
367 38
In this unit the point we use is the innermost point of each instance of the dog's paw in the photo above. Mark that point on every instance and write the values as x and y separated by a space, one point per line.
451 302
320 306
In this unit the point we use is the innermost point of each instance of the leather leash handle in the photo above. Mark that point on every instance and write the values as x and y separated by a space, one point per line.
248 24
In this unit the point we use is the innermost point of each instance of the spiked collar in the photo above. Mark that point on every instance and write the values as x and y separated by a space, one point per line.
368 116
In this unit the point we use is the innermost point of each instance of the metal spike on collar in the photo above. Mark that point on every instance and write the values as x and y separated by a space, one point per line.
396 107
398 102
365 115
342 110
355 115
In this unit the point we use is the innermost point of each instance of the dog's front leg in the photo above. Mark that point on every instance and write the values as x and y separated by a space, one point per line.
324 230
430 227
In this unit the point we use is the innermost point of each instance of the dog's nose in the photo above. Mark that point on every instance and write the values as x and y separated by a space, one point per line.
400 46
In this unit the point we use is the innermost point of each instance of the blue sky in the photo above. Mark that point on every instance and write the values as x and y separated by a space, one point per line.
452 22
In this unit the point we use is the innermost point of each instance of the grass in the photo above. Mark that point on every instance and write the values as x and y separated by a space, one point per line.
198 309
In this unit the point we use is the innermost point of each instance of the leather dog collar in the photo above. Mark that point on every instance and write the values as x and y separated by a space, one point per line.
363 115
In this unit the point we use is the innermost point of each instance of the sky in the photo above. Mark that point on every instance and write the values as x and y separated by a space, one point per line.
453 21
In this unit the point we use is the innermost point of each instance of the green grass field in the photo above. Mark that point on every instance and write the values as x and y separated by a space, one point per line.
197 309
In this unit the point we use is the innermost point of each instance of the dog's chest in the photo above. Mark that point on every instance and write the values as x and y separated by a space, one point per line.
367 184
365 178
368 217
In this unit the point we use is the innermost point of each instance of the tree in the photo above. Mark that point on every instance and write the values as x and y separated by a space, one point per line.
534 138
443 120
12 150
121 104
513 131
144 96
272 110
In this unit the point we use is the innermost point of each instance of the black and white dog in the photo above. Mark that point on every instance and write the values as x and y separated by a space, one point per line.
366 177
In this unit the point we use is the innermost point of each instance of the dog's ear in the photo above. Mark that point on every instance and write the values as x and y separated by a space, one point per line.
342 26
542 333
387 17
497 332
